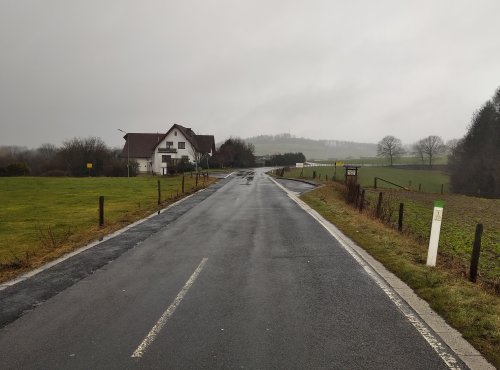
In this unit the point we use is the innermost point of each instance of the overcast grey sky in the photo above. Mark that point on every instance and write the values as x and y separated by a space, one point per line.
348 70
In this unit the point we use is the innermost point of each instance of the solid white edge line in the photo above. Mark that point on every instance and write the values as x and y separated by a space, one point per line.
415 320
168 312
48 265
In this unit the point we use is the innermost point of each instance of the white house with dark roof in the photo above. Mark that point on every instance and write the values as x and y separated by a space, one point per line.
156 153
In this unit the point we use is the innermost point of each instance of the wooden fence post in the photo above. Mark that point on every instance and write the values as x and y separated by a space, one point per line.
476 249
375 183
400 218
182 183
362 201
159 193
358 194
442 188
196 186
101 210
379 204
419 187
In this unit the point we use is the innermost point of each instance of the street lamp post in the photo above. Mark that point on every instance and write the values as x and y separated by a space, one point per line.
128 152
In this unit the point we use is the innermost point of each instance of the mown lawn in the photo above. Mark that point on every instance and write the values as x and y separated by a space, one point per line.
41 218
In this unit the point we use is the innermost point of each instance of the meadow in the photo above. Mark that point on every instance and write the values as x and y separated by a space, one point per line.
461 213
380 161
42 218
460 216
430 181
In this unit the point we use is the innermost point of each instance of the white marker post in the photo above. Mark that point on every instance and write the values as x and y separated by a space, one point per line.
435 231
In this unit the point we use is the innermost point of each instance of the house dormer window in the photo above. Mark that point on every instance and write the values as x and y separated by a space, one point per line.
182 145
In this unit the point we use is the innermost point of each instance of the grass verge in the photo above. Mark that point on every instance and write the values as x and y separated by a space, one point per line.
44 218
473 311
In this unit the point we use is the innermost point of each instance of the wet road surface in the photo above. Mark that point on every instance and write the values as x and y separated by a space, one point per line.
239 276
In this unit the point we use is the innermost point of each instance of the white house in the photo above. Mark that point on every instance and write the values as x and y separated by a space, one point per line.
156 153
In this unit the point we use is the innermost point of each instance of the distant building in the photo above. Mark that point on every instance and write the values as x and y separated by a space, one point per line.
156 153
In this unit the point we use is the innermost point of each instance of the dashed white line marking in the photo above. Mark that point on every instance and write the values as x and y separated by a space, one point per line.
168 312
416 321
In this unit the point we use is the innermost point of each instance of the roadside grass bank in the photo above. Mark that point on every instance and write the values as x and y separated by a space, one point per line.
460 217
474 311
44 218
461 214
430 181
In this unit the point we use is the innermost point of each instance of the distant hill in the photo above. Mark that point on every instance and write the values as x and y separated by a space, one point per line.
312 149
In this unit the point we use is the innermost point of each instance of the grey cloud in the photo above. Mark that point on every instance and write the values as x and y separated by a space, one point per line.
354 70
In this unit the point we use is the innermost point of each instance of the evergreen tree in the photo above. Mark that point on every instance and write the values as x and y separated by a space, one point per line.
475 161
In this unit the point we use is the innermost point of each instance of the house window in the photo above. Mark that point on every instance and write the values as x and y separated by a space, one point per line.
175 133
182 145
170 144
185 158
164 159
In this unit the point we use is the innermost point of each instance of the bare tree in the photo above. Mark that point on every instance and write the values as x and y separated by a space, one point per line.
432 146
390 147
47 151
418 150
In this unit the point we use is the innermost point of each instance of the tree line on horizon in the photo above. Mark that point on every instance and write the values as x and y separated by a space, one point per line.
72 157
426 149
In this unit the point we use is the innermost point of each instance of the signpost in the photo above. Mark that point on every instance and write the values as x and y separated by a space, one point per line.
435 231
89 167
351 174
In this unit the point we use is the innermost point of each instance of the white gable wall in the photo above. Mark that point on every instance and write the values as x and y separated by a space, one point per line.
174 136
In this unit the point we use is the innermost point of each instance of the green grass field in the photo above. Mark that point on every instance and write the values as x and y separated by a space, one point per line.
460 216
461 213
430 180
384 161
41 215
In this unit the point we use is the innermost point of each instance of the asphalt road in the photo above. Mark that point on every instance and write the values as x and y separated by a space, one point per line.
237 277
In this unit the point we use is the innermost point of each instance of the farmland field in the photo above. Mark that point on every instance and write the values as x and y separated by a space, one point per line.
430 180
460 216
440 160
461 213
44 217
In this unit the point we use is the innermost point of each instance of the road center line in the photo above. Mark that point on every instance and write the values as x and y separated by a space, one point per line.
168 312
